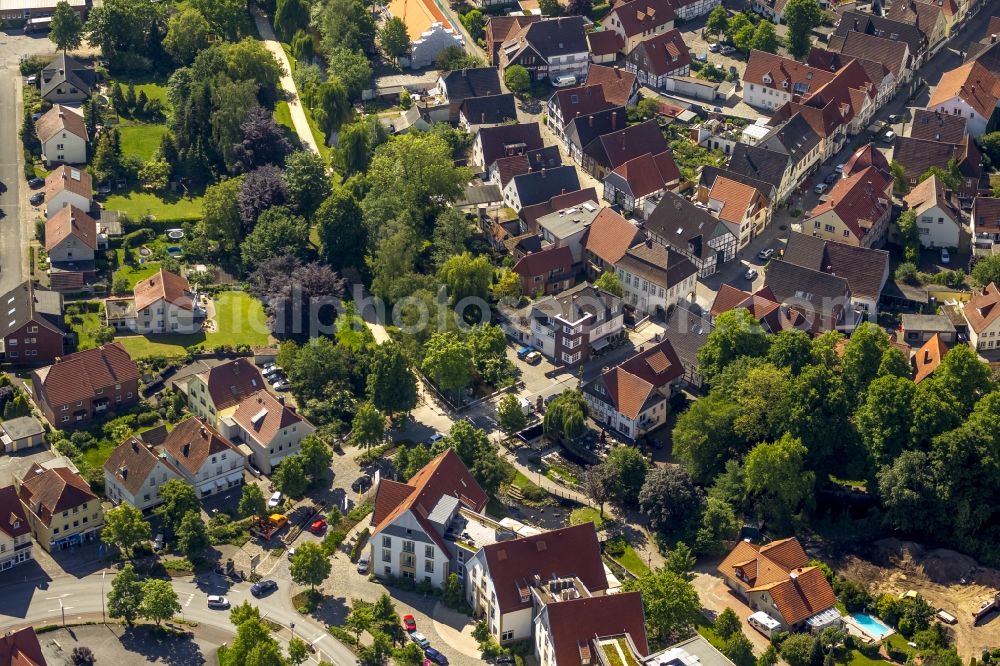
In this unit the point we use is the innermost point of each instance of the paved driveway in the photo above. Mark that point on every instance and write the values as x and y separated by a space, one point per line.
716 597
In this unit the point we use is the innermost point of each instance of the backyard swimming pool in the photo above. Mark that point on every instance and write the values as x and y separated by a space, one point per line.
871 625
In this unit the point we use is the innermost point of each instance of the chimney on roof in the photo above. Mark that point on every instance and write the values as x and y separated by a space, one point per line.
124 472
590 120
614 123
203 431
993 38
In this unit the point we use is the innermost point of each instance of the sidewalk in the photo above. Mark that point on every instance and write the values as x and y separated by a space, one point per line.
287 83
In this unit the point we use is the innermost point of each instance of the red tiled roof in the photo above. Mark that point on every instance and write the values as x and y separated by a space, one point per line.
616 82
766 564
68 178
604 42
264 416
54 490
566 552
77 376
21 648
782 69
986 215
445 475
858 200
647 174
632 383
137 460
736 199
390 495
804 593
166 286
866 156
983 308
11 514
638 16
610 235
576 623
973 83
890 52
231 382
665 52
57 119
544 262
929 357
581 101
192 441
70 221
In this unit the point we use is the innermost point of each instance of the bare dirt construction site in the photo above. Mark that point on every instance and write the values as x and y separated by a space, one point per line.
945 578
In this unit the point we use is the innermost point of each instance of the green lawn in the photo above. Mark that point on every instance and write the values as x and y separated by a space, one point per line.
169 207
283 116
631 561
86 327
588 514
97 456
241 321
138 273
153 90
141 139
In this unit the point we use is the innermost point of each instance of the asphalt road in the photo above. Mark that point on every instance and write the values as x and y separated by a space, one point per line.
81 598
13 198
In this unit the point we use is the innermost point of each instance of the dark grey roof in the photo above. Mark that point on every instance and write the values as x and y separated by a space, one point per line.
22 427
582 130
759 163
883 27
544 158
462 84
558 36
493 109
865 269
796 138
682 225
613 149
806 287
64 69
926 322
507 140
660 265
577 301
24 303
480 194
538 186
687 330
987 54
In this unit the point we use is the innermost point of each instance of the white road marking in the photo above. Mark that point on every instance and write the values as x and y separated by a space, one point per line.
318 639
188 602
61 596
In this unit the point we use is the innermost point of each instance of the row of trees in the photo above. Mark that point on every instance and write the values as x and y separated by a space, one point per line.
786 415
746 31
125 527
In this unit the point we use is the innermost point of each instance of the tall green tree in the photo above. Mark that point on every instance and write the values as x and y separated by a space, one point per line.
884 418
228 18
252 502
510 415
467 276
192 535
290 477
671 501
119 26
343 237
736 334
718 21
609 282
309 565
446 362
178 498
566 417
704 437
290 16
451 231
392 386
631 474
862 357
316 456
188 35
801 16
987 270
346 24
517 79
368 427
66 28
776 477
765 38
278 232
125 528
719 527
159 600
125 595
671 604
394 38
306 181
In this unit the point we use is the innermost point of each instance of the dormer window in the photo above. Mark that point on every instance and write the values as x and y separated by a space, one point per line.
767 78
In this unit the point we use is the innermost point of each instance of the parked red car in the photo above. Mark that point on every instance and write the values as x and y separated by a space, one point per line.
409 623
318 526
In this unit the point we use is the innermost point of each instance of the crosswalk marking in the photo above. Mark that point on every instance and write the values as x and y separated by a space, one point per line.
190 598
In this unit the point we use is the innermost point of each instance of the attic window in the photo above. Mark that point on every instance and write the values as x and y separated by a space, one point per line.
767 78
541 546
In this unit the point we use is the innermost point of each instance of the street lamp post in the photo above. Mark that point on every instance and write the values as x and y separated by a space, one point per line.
104 619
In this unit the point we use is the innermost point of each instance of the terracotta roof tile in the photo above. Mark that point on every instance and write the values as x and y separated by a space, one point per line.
648 173
12 513
231 382
192 441
736 199
576 623
663 53
973 83
57 119
263 416
132 462
567 552
763 565
782 69
390 495
986 215
166 286
936 126
638 16
929 357
21 648
604 42
804 593
890 53
54 490
866 156
610 235
859 201
616 82
983 308
70 221
77 376
69 178
544 262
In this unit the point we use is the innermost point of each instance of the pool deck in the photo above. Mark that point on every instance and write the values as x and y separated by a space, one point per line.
855 629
